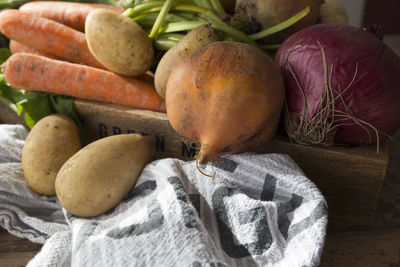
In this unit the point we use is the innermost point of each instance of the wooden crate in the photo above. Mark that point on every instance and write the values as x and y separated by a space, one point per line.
351 179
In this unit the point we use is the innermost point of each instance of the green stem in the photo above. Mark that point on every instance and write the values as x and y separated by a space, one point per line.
132 3
182 26
164 11
186 16
139 9
189 8
281 26
164 44
166 41
205 4
217 7
233 33
219 25
150 18
171 36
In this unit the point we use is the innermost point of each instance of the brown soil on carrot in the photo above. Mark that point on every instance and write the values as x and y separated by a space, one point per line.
38 73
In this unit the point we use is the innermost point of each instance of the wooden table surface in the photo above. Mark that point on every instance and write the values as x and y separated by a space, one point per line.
376 246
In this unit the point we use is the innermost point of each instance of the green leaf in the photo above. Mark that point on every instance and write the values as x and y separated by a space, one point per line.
4 54
66 105
28 120
9 95
20 109
36 106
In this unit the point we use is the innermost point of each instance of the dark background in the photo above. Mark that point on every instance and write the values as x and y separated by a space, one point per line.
386 13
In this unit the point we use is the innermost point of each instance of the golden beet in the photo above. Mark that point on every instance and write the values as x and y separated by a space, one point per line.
228 96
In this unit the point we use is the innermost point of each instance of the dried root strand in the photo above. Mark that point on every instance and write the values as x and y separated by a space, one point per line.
198 159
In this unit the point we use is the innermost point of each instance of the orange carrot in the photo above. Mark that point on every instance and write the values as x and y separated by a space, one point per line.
16 47
147 77
38 73
68 13
48 36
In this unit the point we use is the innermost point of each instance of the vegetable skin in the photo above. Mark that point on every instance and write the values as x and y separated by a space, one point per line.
38 73
68 13
222 96
47 36
342 86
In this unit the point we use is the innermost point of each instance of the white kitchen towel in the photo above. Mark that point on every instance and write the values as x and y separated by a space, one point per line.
258 210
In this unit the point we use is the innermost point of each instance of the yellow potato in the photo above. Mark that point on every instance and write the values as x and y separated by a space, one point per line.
52 141
118 42
263 14
332 11
193 41
97 178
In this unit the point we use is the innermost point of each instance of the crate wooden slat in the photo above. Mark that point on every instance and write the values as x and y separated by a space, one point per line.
350 178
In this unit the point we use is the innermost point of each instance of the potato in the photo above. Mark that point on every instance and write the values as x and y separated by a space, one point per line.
332 11
194 40
49 144
263 14
98 177
118 42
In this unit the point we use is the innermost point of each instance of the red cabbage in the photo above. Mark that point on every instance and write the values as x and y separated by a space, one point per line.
342 86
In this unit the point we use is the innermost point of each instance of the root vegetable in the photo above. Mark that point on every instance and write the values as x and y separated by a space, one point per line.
332 11
48 36
194 40
16 47
99 176
38 73
226 96
263 14
342 86
118 42
68 13
49 144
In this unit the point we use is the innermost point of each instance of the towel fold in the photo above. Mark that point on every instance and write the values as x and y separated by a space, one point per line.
258 210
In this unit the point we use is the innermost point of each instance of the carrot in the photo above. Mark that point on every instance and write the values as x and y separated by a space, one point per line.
16 47
48 36
68 13
38 73
147 77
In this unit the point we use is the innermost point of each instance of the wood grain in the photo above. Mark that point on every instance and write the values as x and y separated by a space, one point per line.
371 249
350 178
363 249
15 251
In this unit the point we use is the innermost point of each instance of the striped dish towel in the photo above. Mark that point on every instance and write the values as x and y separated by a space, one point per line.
258 210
